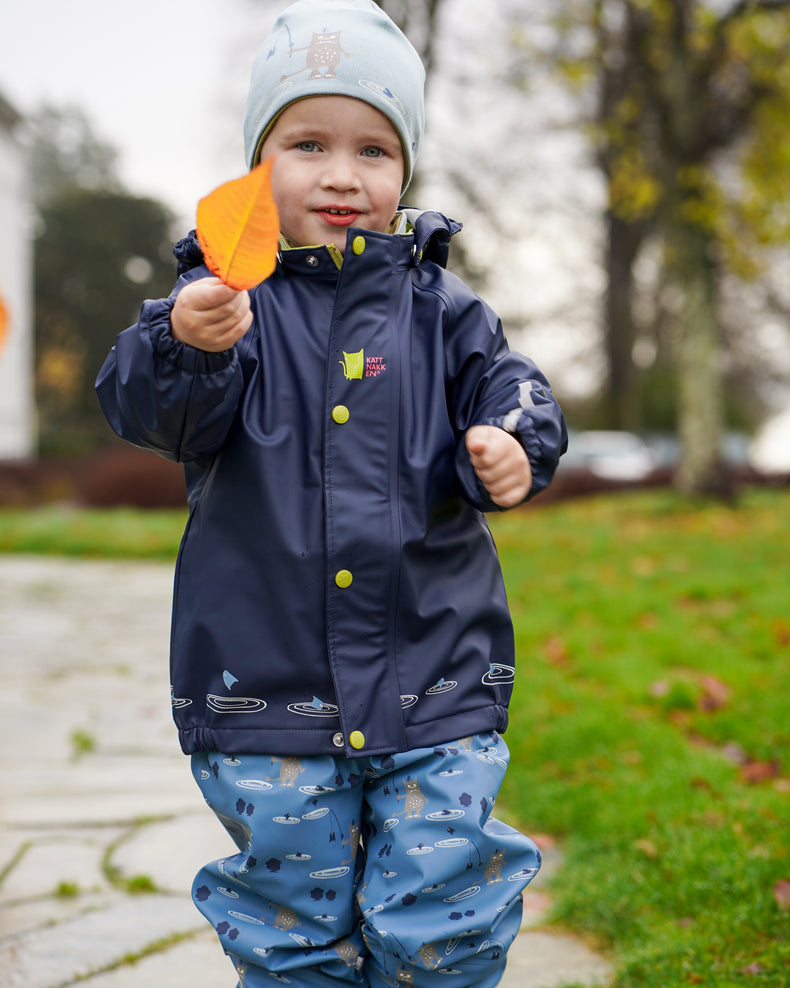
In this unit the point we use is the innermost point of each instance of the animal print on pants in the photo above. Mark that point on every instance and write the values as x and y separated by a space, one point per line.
381 871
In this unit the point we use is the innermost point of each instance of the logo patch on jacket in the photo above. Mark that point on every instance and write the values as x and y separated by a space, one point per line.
356 366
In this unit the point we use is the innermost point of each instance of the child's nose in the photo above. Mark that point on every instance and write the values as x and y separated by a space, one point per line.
339 173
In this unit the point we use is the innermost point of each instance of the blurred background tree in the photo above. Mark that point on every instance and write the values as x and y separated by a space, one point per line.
685 104
688 121
98 251
419 21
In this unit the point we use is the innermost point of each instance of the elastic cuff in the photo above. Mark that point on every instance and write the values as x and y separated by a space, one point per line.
155 322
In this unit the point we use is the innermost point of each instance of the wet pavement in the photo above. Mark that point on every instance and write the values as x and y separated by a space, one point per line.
101 825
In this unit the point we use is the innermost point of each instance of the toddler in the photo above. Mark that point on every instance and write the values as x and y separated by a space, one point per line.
342 653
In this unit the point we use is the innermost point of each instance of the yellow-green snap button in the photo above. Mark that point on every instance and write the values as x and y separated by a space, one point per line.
343 578
340 414
356 739
358 245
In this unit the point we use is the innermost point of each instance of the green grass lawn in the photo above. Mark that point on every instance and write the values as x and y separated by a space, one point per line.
122 533
650 728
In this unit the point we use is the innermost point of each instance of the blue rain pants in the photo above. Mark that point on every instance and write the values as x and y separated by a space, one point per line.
379 871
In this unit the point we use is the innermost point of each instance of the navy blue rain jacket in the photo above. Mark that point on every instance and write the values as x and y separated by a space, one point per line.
337 585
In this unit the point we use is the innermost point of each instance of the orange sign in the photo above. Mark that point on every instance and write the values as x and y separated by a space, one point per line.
3 323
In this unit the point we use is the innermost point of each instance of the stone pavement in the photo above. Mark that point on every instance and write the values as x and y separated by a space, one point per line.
101 825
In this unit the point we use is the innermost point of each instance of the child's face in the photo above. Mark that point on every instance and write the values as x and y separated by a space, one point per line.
338 163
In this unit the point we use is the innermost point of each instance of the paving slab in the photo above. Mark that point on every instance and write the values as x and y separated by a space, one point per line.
95 940
99 791
195 963
553 960
173 851
21 916
66 860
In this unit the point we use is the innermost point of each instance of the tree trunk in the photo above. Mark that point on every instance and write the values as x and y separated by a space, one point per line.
690 251
699 366
621 400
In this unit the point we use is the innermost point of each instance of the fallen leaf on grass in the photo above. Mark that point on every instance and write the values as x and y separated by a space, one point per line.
754 772
647 622
239 230
647 847
715 694
781 630
556 651
782 894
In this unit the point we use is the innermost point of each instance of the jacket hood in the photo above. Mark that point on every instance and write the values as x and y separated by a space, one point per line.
431 230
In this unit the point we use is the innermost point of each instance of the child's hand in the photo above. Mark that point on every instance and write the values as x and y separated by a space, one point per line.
501 464
210 316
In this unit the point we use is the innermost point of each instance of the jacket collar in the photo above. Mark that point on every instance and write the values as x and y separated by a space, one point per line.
428 241
432 234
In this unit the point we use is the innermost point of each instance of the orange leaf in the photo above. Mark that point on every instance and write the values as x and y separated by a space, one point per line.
238 229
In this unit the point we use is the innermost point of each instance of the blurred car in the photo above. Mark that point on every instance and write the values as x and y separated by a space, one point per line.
665 449
769 452
603 459
610 455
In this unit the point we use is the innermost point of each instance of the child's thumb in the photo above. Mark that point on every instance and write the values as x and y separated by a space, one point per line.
476 440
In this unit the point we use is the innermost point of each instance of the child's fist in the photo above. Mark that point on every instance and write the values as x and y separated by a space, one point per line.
501 464
210 316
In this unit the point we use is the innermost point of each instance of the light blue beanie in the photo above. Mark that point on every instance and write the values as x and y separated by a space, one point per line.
337 47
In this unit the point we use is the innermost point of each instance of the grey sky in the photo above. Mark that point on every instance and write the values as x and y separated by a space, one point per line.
152 76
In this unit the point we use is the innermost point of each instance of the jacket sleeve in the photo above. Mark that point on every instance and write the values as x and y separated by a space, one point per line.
167 396
488 384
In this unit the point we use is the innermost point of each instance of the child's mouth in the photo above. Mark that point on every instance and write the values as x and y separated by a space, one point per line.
338 216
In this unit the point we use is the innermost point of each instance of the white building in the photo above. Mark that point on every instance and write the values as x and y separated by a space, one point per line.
17 411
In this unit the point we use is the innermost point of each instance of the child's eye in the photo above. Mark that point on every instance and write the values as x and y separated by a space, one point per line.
307 146
373 152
